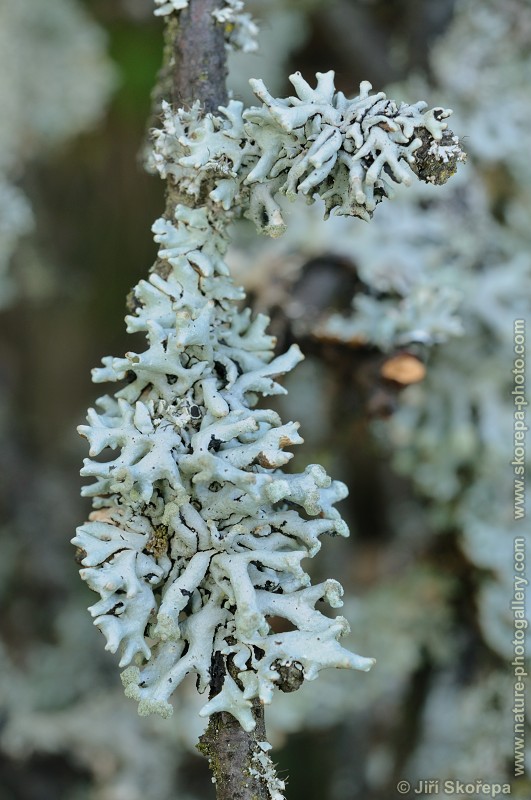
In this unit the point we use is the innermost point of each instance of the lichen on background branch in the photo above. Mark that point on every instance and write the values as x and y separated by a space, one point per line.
198 535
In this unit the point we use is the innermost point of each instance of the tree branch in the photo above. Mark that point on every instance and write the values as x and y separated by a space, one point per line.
194 69
235 756
195 55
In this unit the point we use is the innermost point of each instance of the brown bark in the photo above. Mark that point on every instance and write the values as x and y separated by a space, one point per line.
232 753
194 69
195 55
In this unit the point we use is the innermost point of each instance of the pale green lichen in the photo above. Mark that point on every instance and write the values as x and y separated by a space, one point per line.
195 458
350 152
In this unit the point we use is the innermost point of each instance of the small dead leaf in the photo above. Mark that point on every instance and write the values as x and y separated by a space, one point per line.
404 368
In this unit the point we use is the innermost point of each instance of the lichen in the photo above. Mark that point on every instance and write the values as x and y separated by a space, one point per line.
263 767
196 459
350 152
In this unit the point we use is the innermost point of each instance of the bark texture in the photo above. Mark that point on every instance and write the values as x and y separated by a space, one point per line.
194 69
195 55
232 754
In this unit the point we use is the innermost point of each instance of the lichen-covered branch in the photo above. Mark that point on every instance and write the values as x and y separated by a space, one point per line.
241 766
198 535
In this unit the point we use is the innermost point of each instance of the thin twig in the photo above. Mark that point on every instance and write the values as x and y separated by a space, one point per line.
194 69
